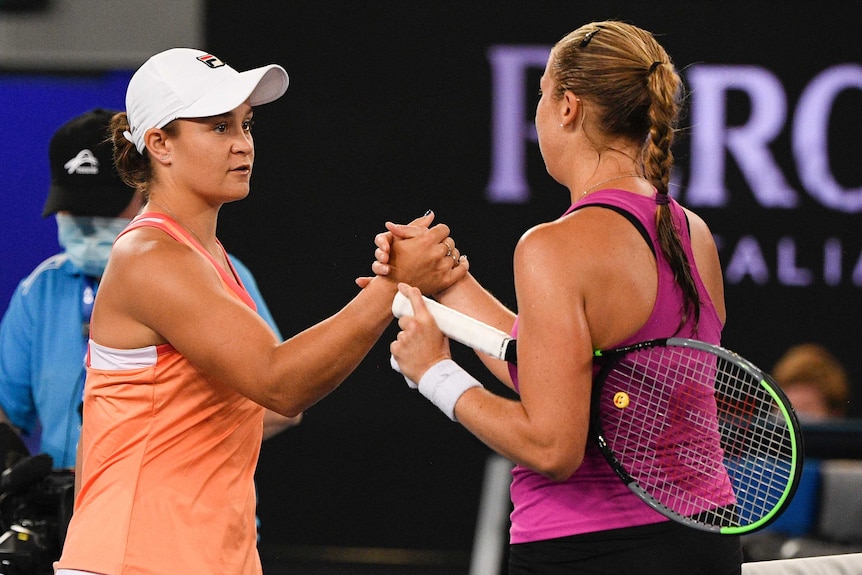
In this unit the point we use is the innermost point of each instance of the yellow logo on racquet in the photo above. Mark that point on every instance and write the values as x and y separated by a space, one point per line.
621 399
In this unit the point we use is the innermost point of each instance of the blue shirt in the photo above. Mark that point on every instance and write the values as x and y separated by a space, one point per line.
42 347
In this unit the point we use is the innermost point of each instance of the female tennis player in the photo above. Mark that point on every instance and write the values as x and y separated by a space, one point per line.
180 367
625 263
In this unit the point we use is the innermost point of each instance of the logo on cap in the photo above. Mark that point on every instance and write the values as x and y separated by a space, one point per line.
84 163
211 61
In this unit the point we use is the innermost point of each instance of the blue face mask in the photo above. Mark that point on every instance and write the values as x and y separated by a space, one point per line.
88 240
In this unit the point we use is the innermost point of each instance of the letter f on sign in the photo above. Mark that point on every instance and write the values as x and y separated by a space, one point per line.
510 126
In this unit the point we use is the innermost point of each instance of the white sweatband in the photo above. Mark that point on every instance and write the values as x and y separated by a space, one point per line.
410 383
444 383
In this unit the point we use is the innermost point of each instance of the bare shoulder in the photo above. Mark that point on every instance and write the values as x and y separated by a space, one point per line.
145 259
589 237
575 256
578 229
137 249
593 260
150 279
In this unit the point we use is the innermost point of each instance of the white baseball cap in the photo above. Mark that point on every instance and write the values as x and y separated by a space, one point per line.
188 83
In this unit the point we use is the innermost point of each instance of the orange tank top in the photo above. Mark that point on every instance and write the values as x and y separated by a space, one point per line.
169 457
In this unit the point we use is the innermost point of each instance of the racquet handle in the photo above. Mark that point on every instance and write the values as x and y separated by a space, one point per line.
462 328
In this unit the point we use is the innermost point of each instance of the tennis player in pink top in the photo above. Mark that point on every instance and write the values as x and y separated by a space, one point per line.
625 263
180 367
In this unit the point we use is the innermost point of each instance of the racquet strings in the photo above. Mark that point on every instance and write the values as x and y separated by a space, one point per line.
698 434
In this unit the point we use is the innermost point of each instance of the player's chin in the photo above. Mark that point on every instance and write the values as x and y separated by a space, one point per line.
237 192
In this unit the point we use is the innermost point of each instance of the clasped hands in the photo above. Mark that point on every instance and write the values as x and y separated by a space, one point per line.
418 254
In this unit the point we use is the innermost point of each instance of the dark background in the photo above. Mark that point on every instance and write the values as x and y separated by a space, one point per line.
388 115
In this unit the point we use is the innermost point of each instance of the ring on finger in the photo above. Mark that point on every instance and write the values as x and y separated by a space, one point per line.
448 249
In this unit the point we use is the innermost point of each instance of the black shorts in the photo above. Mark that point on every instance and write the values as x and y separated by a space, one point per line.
666 548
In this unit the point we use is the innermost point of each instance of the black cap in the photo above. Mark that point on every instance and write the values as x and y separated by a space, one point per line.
83 178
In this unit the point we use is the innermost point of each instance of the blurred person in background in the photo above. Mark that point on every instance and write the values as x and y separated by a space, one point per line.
815 382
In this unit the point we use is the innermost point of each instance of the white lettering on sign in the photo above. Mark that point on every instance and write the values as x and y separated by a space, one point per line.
811 137
747 143
749 260
512 127
712 139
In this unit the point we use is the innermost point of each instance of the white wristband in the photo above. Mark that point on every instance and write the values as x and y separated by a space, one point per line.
444 383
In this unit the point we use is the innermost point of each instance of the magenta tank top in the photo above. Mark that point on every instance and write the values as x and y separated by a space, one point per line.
594 498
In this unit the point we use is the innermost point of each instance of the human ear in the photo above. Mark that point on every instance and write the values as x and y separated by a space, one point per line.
157 143
570 106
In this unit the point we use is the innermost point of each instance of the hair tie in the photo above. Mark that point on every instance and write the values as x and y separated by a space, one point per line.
662 199
652 68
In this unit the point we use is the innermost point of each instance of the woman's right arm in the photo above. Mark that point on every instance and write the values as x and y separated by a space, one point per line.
156 290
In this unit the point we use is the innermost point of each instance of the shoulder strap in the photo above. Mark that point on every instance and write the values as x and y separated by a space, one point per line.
627 215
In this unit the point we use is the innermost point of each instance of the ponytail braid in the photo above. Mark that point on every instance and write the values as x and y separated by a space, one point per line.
664 86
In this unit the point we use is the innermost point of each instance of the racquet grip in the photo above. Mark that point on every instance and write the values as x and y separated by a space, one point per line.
460 327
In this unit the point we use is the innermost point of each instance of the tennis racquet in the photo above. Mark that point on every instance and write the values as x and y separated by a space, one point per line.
697 432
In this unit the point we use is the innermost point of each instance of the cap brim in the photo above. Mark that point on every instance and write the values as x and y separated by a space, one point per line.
258 86
100 201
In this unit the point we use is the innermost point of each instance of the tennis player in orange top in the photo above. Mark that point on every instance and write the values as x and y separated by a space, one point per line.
180 367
